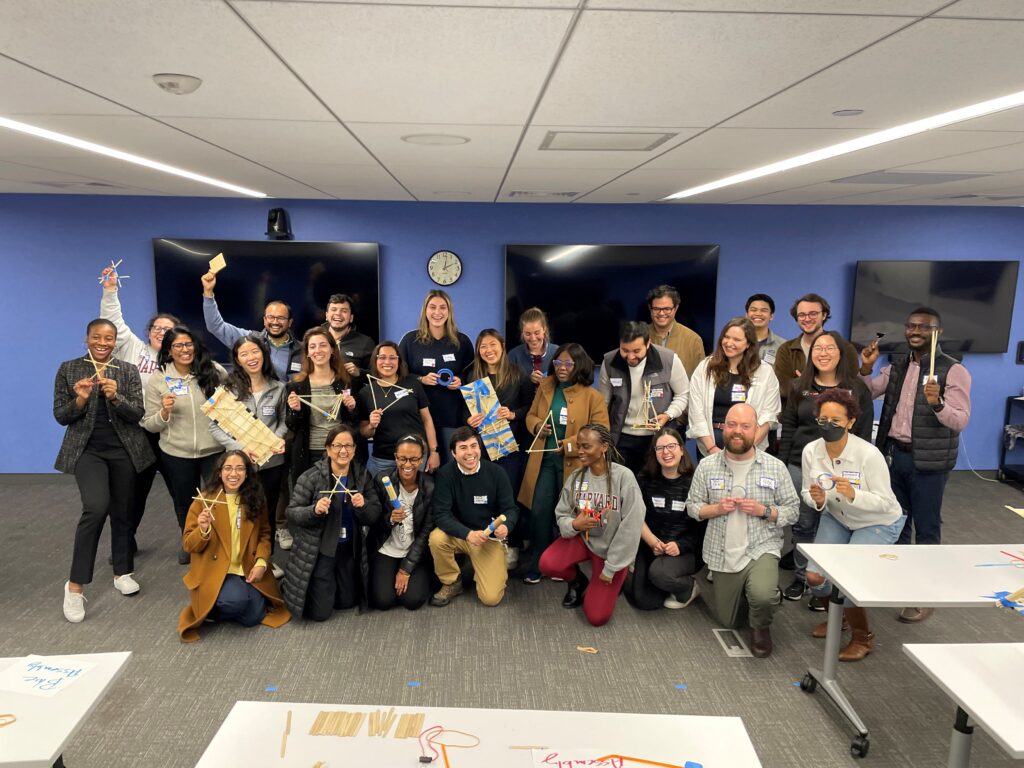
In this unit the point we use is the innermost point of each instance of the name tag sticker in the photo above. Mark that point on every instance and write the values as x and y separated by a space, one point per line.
296 366
449 358
658 501
767 482
925 379
401 393
479 499
343 534
678 506
268 410
563 416
615 382
429 362
716 483
739 393
852 476
657 391
349 353
769 357
176 387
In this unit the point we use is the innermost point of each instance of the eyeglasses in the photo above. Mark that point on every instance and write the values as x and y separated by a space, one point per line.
827 422
388 358
407 460
566 364
180 346
347 447
663 310
276 318
233 470
161 329
829 349
808 315
920 327
670 448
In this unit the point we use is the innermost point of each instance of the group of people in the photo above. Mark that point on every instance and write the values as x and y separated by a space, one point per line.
385 494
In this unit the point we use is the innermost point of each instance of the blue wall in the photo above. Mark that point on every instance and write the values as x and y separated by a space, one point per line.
55 246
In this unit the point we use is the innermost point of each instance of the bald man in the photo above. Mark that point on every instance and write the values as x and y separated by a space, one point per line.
747 497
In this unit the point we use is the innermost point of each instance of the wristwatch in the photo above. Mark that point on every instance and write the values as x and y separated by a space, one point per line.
767 512
939 405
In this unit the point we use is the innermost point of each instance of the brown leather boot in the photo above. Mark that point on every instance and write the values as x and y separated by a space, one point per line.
863 640
822 629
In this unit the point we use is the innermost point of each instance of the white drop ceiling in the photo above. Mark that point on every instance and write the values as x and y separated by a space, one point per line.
311 98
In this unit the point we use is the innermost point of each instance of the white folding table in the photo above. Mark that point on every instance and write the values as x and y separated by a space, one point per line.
254 734
986 681
45 725
873 576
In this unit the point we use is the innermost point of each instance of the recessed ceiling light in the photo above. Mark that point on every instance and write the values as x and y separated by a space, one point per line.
117 154
179 85
863 142
454 193
435 139
632 194
847 112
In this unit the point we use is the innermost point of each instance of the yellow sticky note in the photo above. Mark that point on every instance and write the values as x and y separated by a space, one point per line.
217 263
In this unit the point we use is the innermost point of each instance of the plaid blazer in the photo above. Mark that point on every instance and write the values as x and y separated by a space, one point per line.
124 416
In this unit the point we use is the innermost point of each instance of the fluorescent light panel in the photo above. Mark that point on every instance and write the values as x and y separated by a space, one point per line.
117 154
863 142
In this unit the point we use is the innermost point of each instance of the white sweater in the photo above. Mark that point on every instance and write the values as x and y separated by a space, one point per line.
129 347
763 396
863 465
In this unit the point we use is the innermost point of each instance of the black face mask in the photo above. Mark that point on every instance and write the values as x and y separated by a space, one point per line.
832 434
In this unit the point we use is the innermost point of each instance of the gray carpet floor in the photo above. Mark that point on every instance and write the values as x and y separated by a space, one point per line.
521 655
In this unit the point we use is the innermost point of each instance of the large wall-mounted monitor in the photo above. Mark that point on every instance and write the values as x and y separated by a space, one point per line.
588 290
975 299
303 274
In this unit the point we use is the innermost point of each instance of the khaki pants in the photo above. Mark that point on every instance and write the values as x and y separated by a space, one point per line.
488 563
758 584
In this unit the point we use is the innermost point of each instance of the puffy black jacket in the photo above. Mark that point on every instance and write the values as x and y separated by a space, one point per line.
422 519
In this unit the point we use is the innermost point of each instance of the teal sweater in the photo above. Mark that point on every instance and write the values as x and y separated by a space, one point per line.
464 503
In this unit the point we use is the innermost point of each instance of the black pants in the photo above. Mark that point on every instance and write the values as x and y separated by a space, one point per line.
333 583
143 485
634 450
271 479
382 582
656 577
183 476
920 495
106 480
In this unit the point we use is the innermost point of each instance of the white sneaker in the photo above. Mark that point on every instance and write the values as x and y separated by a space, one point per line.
74 604
511 558
277 570
284 539
126 585
672 603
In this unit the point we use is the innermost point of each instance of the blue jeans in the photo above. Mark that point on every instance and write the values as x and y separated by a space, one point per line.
920 495
831 531
805 527
376 466
239 601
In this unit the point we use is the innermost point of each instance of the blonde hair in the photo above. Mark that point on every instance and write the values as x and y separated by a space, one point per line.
507 372
451 331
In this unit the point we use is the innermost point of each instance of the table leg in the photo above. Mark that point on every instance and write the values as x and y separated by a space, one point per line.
826 677
960 742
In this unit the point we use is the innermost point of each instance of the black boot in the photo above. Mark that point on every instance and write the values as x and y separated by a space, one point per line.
577 588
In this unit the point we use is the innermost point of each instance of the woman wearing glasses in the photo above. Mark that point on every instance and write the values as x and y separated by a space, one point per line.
400 565
823 372
565 402
143 355
230 519
186 377
846 479
733 374
319 398
328 568
671 540
391 405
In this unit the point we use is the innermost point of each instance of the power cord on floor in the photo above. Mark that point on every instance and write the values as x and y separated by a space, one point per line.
963 445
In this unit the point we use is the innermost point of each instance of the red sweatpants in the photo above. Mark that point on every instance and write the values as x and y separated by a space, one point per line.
559 561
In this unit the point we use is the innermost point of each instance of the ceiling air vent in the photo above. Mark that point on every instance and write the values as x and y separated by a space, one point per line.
911 178
604 141
542 195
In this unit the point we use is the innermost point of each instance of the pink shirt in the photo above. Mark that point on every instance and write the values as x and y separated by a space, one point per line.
957 397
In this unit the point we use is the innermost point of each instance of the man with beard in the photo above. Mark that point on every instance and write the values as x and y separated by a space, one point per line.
810 311
919 429
354 347
285 349
747 497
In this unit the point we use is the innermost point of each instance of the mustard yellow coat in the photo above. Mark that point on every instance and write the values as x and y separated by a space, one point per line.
211 559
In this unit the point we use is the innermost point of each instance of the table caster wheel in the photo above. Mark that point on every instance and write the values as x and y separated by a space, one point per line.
808 684
859 746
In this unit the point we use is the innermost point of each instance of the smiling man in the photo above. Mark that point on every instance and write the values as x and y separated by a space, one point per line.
285 349
354 347
469 494
919 429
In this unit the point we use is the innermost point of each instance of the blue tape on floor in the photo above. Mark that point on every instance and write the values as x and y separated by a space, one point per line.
680 687
413 684
270 689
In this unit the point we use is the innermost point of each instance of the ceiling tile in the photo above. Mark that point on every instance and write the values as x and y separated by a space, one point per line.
986 9
859 7
997 160
28 92
463 3
488 145
530 154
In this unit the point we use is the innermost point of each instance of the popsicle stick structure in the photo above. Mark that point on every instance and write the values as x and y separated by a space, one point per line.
335 406
97 366
558 445
648 416
386 390
481 399
339 487
112 270
233 417
217 263
208 503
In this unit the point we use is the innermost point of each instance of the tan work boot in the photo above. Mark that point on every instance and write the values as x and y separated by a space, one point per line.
863 640
447 593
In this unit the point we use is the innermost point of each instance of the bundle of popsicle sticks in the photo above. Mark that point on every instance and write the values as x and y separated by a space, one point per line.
378 723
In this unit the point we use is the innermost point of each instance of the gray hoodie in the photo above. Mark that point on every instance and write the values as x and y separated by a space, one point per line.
186 434
617 538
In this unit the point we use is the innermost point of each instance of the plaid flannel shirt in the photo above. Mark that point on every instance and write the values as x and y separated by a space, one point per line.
768 482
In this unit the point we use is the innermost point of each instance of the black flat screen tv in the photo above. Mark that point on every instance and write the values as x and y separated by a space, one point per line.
587 291
975 299
303 274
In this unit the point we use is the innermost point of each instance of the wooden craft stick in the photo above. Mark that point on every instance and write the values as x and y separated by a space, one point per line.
389 719
1016 595
287 730
931 359
217 263
314 730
